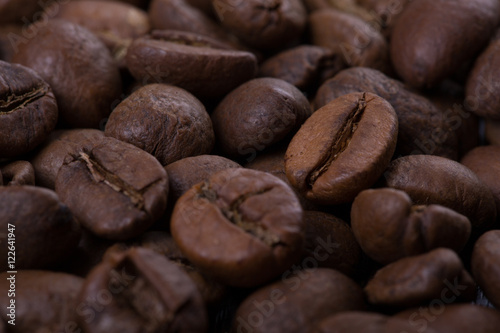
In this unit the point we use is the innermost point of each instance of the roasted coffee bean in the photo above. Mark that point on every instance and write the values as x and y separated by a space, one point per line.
60 143
486 265
366 322
484 161
116 190
229 226
384 12
423 128
330 243
165 121
452 318
44 301
115 23
85 79
436 180
483 85
17 173
193 62
263 24
303 66
44 229
145 292
258 114
343 148
350 37
426 47
298 302
389 227
187 172
28 110
415 280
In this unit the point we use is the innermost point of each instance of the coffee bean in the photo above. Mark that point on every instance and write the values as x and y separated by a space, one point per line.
114 189
229 227
415 280
45 231
403 229
426 48
258 114
486 265
165 121
85 79
50 157
26 99
342 148
384 12
44 301
298 302
436 180
140 291
423 128
194 63
18 173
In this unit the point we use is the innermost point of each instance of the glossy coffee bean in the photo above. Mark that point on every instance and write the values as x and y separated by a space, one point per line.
50 157
144 292
438 47
258 114
415 280
263 24
388 226
423 128
165 121
486 265
85 79
342 148
45 232
436 180
26 99
229 227
18 173
190 61
114 189
298 302
44 301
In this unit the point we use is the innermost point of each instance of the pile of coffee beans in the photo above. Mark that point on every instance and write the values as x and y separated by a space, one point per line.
249 166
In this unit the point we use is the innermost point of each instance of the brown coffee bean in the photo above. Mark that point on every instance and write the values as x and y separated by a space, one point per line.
258 114
60 143
18 173
85 79
350 37
303 66
343 148
485 163
426 47
45 232
145 292
187 172
44 301
297 302
366 322
452 318
389 227
165 121
415 280
28 110
195 63
384 12
263 24
229 227
436 180
114 189
330 243
423 128
486 265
